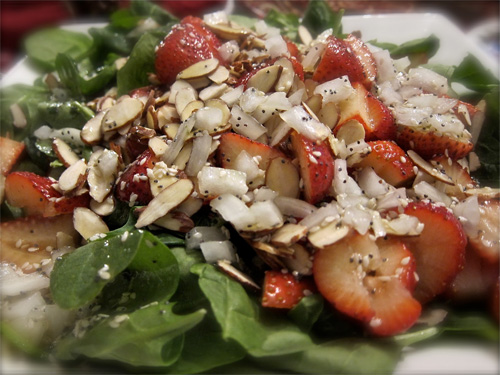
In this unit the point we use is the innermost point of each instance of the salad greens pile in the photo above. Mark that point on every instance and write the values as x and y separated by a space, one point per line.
183 315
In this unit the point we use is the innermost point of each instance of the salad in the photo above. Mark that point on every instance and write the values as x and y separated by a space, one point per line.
231 194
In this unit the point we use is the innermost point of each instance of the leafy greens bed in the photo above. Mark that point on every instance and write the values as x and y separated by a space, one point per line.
159 305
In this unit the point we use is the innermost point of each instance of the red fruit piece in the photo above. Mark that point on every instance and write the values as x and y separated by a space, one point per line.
133 185
375 117
428 143
439 249
346 57
231 144
283 290
36 195
316 166
186 44
390 162
486 242
10 151
28 241
370 281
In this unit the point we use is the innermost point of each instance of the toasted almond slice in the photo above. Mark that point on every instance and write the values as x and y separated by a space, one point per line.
73 176
228 32
64 152
226 267
123 113
265 78
104 208
105 103
283 177
167 114
220 104
19 119
274 250
166 201
183 157
314 104
158 183
88 223
350 132
184 97
191 206
285 81
328 234
305 35
220 75
428 168
103 169
199 69
191 108
200 82
176 87
213 91
329 115
158 146
170 130
300 261
163 99
176 221
288 234
484 192
152 118
92 131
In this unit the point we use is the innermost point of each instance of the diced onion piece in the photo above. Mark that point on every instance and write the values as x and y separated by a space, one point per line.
424 190
245 124
200 234
328 213
336 90
214 251
233 209
298 119
213 181
294 207
199 154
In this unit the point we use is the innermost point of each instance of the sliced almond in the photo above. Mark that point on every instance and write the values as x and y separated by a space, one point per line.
199 69
88 223
64 152
226 267
274 250
220 104
176 221
184 97
158 184
73 176
220 75
200 82
183 157
285 81
191 206
152 118
329 115
166 201
213 91
170 130
300 261
104 208
157 145
429 168
288 234
305 35
228 32
484 192
167 114
328 234
103 170
265 79
92 131
283 177
123 113
314 104
105 103
177 86
351 131
191 108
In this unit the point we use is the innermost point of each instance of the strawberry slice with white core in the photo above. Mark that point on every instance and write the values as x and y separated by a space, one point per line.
370 281
439 249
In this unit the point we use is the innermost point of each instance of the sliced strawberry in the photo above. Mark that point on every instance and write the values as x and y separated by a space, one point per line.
316 166
346 57
375 117
292 48
36 195
369 281
486 242
428 143
133 184
439 249
231 144
390 162
10 151
28 241
186 44
283 290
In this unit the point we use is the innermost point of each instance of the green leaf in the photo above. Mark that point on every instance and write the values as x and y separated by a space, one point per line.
107 40
124 19
307 311
428 46
68 74
151 336
472 74
149 9
20 341
287 23
319 16
43 46
242 321
244 21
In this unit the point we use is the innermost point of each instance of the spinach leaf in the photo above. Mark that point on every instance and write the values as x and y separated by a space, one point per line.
307 311
427 46
242 321
59 115
43 46
150 9
107 39
287 23
140 63
472 74
68 74
124 19
151 336
244 21
80 276
470 324
319 17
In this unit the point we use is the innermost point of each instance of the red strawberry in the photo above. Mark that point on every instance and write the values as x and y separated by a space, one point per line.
134 180
370 281
36 195
346 57
10 151
283 290
316 166
292 48
231 144
390 162
439 249
486 243
375 117
28 240
428 143
186 44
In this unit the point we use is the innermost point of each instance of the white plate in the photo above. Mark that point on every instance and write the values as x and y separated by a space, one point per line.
395 28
